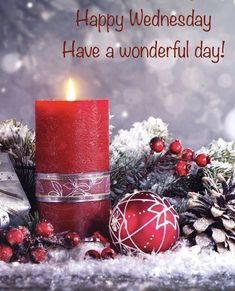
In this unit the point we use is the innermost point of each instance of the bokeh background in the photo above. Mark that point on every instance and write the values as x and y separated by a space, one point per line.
194 96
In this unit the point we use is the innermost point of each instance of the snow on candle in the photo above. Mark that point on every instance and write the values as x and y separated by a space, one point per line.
72 163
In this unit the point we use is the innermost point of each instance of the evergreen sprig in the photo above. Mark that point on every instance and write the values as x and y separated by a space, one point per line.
18 141
222 155
133 166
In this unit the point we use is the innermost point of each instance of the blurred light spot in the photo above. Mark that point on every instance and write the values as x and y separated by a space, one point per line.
118 109
97 83
175 103
229 124
46 15
117 45
225 81
35 77
193 79
132 96
213 99
165 78
36 61
156 64
66 6
29 5
125 114
3 90
173 12
11 63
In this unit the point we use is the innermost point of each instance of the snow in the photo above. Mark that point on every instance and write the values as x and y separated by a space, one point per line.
129 145
11 127
183 267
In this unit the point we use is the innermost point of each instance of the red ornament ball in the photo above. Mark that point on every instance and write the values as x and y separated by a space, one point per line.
108 253
5 253
38 255
187 154
14 236
44 229
93 254
157 144
202 160
175 147
181 168
72 239
143 222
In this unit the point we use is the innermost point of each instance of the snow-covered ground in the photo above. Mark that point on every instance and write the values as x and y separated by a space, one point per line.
179 269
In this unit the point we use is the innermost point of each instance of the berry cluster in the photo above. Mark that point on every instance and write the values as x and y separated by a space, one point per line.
107 252
184 157
19 244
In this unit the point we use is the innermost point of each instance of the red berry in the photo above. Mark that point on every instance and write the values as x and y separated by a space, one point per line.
14 236
108 253
93 254
38 255
25 231
175 147
157 144
202 160
72 239
187 154
181 168
99 237
5 253
44 229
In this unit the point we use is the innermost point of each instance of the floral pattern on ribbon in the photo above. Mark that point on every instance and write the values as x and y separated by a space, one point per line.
73 187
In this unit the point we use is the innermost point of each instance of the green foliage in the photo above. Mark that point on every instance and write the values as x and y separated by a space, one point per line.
31 219
133 166
223 159
18 141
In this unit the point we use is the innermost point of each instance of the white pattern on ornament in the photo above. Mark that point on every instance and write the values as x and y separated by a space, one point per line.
119 221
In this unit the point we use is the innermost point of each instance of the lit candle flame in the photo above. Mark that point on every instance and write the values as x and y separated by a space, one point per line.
70 94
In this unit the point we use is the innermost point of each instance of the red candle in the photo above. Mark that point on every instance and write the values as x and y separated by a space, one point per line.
72 164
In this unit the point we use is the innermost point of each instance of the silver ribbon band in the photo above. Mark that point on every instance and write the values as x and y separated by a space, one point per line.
80 176
86 198
66 188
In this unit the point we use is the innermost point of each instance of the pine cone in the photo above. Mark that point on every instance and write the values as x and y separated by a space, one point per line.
209 220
